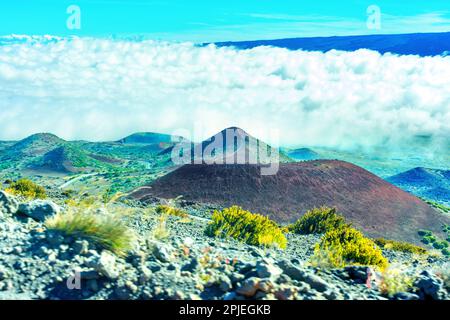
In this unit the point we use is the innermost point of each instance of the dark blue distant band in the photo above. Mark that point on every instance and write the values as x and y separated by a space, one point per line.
422 44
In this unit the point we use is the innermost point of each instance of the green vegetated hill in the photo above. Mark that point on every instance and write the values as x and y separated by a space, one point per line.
114 166
17 155
67 158
36 144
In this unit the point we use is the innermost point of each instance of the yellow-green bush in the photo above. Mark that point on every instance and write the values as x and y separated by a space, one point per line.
171 211
318 220
347 246
27 188
247 227
399 246
394 280
104 230
161 232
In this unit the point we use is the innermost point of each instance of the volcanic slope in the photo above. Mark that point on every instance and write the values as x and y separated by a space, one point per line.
432 184
66 159
370 203
230 146
34 145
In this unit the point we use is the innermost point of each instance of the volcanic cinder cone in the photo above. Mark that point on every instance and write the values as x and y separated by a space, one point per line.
372 204
229 146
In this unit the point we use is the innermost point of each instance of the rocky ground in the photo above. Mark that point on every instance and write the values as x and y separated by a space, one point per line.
183 264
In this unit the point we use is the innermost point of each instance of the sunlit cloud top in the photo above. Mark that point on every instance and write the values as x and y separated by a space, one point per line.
85 88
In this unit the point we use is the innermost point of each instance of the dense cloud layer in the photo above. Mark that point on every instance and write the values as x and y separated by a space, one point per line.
105 89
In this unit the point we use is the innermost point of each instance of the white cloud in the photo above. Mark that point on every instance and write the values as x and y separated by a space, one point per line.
105 89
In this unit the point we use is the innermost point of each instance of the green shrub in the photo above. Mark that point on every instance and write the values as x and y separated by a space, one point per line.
446 252
399 246
440 244
318 220
437 243
437 205
69 193
27 188
429 239
425 233
446 228
104 230
347 246
253 229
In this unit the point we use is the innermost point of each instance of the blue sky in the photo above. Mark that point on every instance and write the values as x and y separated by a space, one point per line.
217 20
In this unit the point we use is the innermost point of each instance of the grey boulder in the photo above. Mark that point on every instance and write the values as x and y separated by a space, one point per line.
39 209
8 204
430 286
105 265
265 268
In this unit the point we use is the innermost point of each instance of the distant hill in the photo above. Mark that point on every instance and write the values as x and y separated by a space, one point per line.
36 144
67 158
152 142
428 183
370 203
303 154
233 144
423 44
150 138
5 144
47 152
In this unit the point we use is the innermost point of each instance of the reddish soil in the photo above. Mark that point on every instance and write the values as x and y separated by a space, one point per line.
373 205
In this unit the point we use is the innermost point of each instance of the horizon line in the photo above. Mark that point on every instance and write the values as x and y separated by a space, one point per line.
147 36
